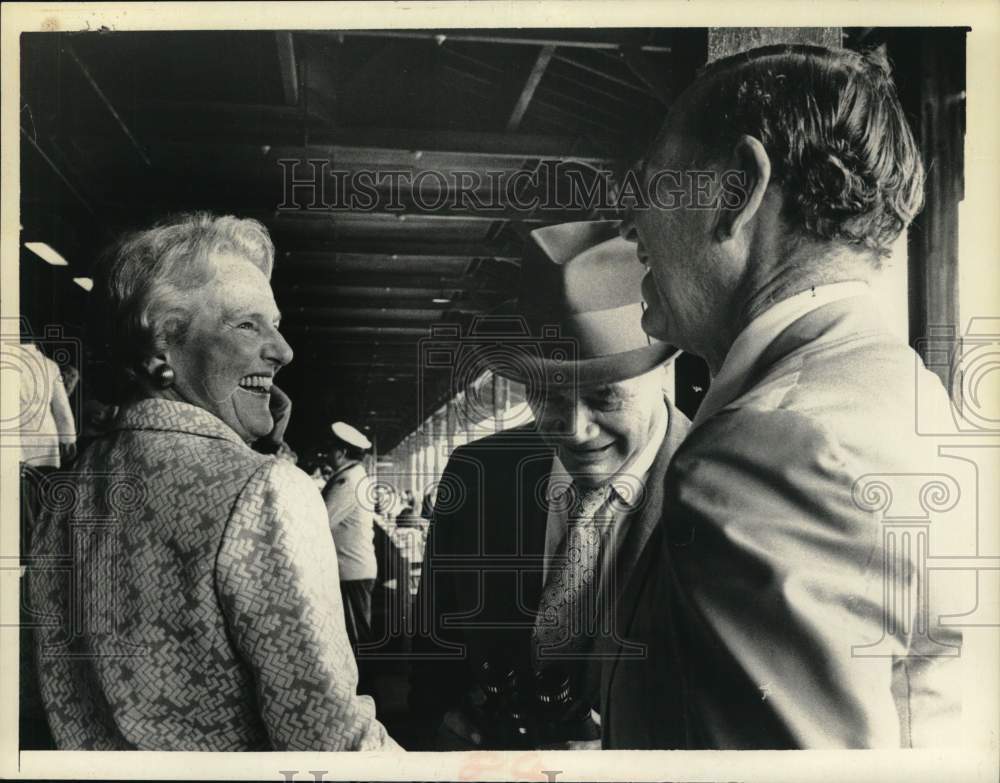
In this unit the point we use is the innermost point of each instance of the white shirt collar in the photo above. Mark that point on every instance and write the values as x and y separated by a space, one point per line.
761 332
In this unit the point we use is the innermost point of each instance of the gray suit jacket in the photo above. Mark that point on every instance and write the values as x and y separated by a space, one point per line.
776 609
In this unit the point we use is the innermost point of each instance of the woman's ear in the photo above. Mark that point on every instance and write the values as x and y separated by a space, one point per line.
743 187
151 365
156 371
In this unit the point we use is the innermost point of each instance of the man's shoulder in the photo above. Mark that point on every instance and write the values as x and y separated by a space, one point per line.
852 404
355 474
858 388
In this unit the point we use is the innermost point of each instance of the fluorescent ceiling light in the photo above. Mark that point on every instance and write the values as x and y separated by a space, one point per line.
440 300
46 253
86 283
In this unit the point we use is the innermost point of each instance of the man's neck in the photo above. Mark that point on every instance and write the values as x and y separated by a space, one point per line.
768 284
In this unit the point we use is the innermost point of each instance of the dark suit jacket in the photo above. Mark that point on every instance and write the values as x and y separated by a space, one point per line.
775 611
483 563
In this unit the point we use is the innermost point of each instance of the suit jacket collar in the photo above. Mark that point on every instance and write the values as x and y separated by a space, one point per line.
533 513
843 319
154 414
644 524
650 509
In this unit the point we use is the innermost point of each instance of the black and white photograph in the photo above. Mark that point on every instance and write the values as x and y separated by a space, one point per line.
492 391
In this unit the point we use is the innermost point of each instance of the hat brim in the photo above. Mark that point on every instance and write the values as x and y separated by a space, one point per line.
589 372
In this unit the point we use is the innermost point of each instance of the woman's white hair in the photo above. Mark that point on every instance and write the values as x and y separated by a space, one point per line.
145 285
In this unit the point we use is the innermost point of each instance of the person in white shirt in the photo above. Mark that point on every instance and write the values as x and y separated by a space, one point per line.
352 519
47 428
763 611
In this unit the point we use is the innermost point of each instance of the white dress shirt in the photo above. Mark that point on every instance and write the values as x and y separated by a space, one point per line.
760 333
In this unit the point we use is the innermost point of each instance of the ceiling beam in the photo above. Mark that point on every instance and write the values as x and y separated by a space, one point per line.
348 303
465 143
284 282
466 57
327 315
107 104
340 293
301 290
360 292
422 208
400 355
288 67
394 333
566 76
177 119
599 73
579 39
405 251
58 172
354 369
530 85
648 73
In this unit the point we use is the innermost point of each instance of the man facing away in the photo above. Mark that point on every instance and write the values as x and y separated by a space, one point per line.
537 529
777 613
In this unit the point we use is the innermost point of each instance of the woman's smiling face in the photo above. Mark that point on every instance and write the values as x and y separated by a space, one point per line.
232 348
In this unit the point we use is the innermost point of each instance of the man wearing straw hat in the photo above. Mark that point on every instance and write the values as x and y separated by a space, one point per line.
537 530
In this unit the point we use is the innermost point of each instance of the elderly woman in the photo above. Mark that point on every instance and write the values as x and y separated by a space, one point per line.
204 612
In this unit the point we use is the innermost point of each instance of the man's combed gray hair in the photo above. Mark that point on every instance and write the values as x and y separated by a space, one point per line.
145 285
838 139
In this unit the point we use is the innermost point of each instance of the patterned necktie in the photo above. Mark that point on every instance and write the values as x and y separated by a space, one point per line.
568 603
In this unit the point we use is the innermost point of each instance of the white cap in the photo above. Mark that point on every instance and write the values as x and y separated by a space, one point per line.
350 435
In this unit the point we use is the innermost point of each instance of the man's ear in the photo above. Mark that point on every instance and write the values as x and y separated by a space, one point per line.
751 161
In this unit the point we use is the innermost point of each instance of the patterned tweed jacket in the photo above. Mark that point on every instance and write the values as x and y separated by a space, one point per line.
188 592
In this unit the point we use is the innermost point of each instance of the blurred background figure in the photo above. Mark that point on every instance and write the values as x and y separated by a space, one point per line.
351 517
70 378
427 506
48 431
391 602
319 471
48 441
286 453
410 535
383 497
409 501
313 471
